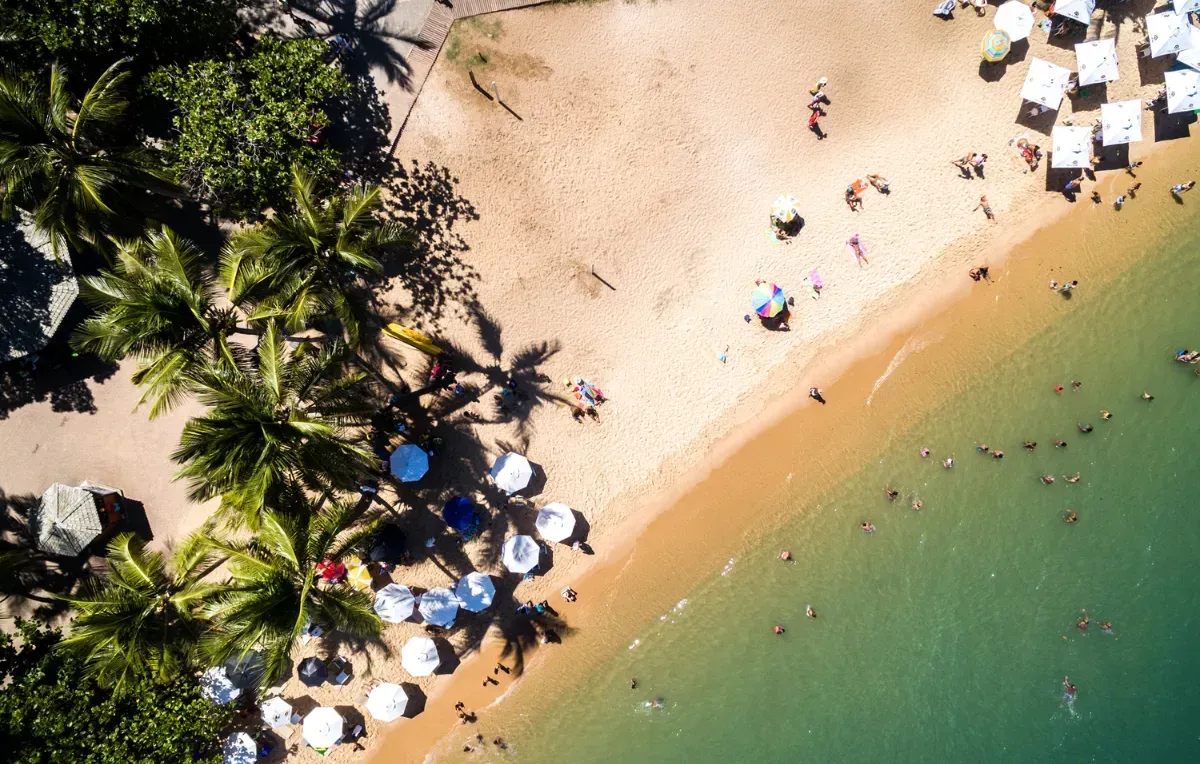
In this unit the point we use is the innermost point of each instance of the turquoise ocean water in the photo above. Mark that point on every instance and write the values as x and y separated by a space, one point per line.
941 636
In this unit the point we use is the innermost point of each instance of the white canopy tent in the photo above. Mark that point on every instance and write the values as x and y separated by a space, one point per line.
216 685
239 748
1045 83
1015 19
276 712
1097 61
395 603
1122 122
387 702
1071 147
419 656
1191 56
1168 33
323 727
555 522
511 472
1186 6
475 592
439 607
1183 90
1079 10
520 554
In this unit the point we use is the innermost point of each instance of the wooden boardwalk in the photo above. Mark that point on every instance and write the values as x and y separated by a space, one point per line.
432 36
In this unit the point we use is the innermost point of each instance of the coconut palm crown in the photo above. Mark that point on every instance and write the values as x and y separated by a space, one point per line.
307 265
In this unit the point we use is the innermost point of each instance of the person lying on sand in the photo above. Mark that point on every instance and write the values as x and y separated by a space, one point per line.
879 182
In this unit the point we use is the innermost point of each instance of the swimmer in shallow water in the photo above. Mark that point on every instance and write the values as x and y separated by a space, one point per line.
949 463
1070 517
1068 691
887 489
778 629
867 528
925 452
1106 627
1030 445
1105 414
808 611
997 454
1072 479
1083 621
917 503
1060 444
1085 428
1047 479
982 448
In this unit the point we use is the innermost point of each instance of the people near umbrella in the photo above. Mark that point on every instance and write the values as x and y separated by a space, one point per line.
438 607
276 712
331 570
323 728
459 513
475 592
555 522
1078 11
359 576
1071 147
520 554
389 546
768 300
239 748
995 46
785 216
1015 19
419 656
312 671
409 463
66 520
511 472
216 685
386 702
395 603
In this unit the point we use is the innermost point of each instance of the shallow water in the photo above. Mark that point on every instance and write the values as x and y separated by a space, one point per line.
945 635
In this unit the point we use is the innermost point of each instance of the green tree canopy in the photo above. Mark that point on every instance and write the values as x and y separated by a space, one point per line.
52 712
87 36
242 123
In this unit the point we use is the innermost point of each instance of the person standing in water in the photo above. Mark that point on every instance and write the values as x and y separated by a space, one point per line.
1083 621
887 489
1068 691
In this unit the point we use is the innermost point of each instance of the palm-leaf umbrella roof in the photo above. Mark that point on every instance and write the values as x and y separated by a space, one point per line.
66 520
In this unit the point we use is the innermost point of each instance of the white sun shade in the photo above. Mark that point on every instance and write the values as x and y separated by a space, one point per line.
555 522
1183 90
520 554
1015 19
1071 147
276 712
387 702
784 210
239 748
1191 56
1168 33
1096 61
1045 83
395 603
475 592
216 685
439 607
1186 6
1079 10
419 656
511 472
323 727
1122 121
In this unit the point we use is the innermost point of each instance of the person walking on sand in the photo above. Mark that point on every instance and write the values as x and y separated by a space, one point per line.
815 394
1133 166
964 164
860 254
1132 192
987 208
815 126
1119 202
1073 186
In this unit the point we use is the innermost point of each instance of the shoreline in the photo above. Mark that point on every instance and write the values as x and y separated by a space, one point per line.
932 308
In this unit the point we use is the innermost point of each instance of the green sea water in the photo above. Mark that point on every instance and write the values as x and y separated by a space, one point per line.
940 637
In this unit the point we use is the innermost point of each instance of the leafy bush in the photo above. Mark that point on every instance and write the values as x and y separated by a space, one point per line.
242 123
50 712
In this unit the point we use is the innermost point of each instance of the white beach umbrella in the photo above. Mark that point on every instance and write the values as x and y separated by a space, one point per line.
555 522
1097 61
439 607
216 685
1168 33
276 712
395 603
511 472
1071 147
239 748
475 591
1191 56
1122 121
1186 6
409 463
1079 10
1183 90
387 702
784 209
1045 83
323 727
419 656
520 554
66 520
1015 19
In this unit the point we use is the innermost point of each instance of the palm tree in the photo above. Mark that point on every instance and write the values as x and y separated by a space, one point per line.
305 265
141 618
158 304
274 588
274 420
72 169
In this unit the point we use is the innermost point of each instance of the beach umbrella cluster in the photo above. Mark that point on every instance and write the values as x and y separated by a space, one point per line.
216 685
1045 83
785 209
475 592
768 300
459 514
1183 90
239 748
409 463
1076 10
995 46
1168 33
312 671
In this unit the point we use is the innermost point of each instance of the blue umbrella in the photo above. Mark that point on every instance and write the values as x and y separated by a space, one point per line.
459 514
409 463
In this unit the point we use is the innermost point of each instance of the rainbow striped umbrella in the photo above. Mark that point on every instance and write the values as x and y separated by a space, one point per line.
768 300
995 46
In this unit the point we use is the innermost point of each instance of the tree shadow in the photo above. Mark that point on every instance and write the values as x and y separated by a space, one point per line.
363 25
36 290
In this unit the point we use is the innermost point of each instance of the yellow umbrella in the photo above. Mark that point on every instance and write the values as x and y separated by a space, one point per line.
412 338
995 46
360 577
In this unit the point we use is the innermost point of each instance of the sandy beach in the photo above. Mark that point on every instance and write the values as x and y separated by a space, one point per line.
614 220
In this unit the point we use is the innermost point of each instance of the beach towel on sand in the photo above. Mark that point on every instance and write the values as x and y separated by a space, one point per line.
945 10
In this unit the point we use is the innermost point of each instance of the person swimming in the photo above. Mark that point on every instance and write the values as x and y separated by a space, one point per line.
1083 621
1105 414
1030 444
1070 517
997 454
1072 479
925 452
982 448
1106 627
808 611
1085 428
1147 396
1060 444
785 555
1069 691
778 629
949 463
867 527
917 503
887 489
1047 479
